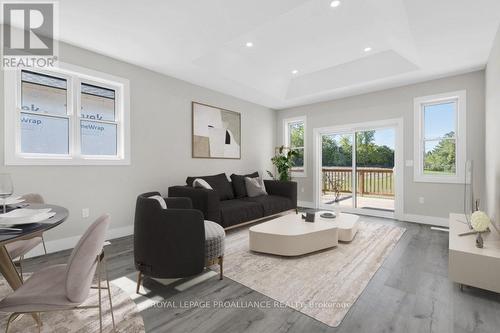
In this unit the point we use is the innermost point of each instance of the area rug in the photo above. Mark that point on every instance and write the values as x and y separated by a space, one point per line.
127 316
323 285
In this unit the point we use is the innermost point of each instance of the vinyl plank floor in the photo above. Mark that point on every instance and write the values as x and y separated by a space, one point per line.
409 293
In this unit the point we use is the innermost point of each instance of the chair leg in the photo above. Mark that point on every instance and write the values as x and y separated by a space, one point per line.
44 246
99 292
109 293
139 281
221 261
21 258
12 317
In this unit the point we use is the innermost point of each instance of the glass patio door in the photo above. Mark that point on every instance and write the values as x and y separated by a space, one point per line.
357 169
337 170
375 169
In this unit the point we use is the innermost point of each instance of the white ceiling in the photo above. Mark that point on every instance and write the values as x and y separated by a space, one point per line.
203 42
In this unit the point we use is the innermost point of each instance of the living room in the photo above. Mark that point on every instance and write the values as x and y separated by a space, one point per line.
298 166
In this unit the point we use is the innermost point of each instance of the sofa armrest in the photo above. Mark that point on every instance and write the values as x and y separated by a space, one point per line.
179 203
286 189
207 201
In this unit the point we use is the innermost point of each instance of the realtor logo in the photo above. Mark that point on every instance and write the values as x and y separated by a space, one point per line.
28 38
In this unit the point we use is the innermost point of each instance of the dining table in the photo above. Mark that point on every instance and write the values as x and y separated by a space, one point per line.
27 231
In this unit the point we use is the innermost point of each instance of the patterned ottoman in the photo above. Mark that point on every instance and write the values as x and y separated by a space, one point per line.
214 244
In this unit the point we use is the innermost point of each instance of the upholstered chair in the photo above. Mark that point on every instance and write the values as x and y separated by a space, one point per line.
65 286
18 249
174 242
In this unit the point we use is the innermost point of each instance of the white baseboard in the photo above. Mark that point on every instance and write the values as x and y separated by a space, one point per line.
430 220
70 242
306 204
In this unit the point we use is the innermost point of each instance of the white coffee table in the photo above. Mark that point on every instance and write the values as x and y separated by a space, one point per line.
347 225
289 235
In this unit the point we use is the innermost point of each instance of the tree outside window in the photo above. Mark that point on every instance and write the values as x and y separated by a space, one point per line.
296 142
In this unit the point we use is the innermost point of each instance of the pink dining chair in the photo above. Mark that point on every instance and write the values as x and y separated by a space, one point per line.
18 249
65 286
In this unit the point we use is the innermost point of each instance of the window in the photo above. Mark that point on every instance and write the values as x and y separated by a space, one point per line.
294 130
440 138
69 115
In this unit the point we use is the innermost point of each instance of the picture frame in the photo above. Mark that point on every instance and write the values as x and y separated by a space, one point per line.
216 132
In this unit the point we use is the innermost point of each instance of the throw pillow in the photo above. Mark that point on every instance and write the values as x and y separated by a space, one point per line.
238 182
198 182
255 187
219 183
159 198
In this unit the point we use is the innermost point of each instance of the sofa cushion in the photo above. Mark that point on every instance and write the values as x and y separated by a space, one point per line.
238 182
219 183
272 204
255 187
198 182
160 200
238 211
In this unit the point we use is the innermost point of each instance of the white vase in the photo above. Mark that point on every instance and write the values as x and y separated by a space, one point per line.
336 208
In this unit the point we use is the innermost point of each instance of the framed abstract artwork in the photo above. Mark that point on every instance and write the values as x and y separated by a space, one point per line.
216 132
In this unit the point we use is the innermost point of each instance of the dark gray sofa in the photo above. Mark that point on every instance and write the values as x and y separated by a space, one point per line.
228 204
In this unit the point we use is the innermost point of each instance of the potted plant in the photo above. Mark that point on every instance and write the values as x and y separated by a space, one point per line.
283 161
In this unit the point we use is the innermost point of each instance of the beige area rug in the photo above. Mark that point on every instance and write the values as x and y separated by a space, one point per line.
127 316
323 285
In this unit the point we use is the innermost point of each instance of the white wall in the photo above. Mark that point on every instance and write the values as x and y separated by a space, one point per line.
440 199
493 132
160 144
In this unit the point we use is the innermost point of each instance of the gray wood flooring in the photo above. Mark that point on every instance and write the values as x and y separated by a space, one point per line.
409 293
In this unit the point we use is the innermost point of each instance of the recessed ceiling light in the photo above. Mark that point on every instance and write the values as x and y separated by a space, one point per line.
367 49
335 3
249 44
295 71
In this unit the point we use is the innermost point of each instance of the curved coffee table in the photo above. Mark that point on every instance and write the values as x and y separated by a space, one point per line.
289 235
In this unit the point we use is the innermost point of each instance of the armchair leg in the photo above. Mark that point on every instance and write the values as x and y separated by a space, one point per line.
221 261
44 247
139 281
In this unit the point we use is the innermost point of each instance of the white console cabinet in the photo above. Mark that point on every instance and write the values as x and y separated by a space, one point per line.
469 265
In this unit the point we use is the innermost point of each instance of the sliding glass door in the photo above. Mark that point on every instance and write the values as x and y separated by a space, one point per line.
375 169
357 169
336 171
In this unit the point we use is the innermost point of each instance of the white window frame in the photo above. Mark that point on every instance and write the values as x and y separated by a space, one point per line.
460 97
74 76
286 142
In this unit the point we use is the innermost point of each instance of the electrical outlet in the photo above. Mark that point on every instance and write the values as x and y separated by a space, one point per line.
421 200
302 190
85 213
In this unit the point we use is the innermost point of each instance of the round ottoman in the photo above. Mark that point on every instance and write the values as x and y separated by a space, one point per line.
214 244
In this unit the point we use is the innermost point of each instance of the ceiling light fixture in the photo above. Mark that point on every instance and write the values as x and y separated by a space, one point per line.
249 44
295 71
367 49
335 3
